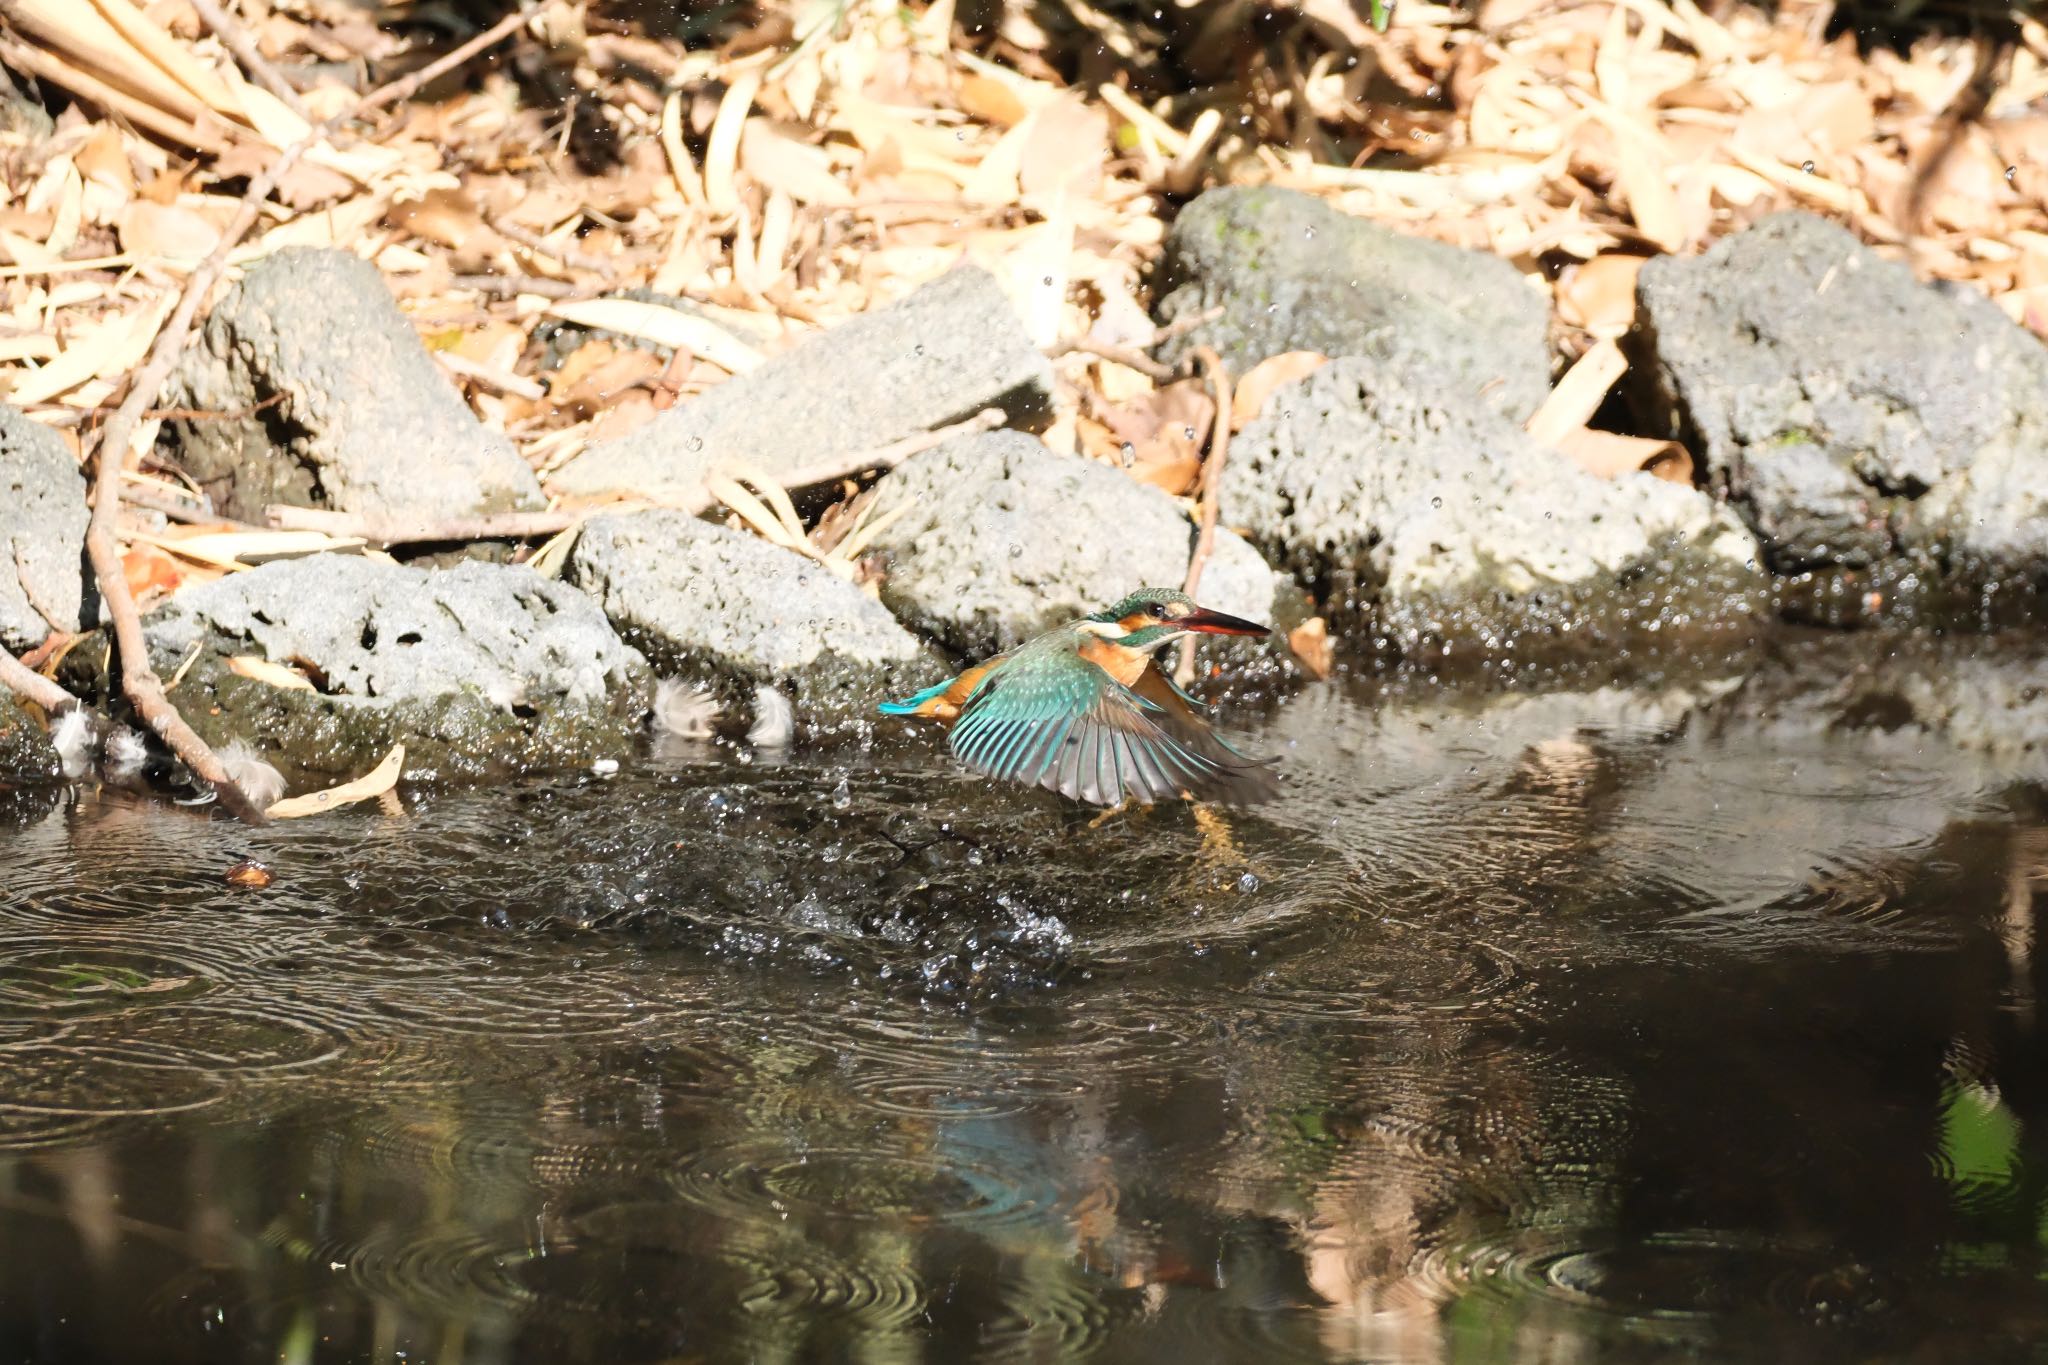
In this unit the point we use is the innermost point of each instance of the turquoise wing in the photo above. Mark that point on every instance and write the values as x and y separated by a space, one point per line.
1059 722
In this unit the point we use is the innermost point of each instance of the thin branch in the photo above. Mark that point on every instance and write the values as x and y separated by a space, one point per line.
567 255
1156 371
237 40
1134 355
1210 491
145 691
24 682
525 525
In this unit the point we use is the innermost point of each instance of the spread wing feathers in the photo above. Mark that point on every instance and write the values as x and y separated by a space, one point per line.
1067 726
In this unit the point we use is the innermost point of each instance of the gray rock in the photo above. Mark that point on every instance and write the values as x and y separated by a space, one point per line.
1451 523
480 669
1295 274
26 754
699 598
1852 414
42 533
940 355
1005 539
362 422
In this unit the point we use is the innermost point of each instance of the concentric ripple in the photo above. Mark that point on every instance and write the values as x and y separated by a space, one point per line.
1698 1275
758 1178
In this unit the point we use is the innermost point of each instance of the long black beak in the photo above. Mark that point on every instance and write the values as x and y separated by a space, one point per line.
1217 623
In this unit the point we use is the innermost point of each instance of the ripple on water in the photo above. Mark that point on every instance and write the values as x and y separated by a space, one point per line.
961 1187
1676 1278
757 1271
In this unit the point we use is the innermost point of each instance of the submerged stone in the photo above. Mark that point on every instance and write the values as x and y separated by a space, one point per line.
1293 273
699 598
479 670
1448 523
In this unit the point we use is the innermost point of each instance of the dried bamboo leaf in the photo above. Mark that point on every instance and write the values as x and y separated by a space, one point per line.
379 780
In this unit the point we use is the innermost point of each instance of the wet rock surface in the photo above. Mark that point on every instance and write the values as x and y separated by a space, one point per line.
698 598
1450 523
42 533
344 407
479 670
26 754
1296 274
1005 538
1864 423
939 355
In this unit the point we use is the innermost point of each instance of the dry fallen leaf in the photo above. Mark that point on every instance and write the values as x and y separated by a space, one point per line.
1600 295
264 671
1611 455
370 785
249 875
1579 394
1258 383
662 326
1311 644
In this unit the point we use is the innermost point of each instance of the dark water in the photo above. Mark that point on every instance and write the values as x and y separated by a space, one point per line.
1687 1018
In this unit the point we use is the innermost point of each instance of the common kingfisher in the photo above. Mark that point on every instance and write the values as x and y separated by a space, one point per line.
1086 711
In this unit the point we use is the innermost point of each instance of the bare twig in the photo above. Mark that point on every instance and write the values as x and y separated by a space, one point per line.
145 691
237 40
524 525
1144 364
18 678
569 256
1134 355
1210 491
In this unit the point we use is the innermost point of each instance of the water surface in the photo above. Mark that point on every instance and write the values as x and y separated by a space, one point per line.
1689 1014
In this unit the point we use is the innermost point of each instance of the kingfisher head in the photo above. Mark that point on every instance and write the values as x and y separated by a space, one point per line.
1150 617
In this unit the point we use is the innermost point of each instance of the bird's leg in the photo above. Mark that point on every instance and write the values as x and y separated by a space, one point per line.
1218 847
1119 808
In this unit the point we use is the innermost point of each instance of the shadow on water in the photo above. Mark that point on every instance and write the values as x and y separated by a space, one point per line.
1690 1016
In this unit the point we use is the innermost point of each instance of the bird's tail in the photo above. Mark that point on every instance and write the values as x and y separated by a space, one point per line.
910 705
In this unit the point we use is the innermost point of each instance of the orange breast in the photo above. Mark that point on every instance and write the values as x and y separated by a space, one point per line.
1125 665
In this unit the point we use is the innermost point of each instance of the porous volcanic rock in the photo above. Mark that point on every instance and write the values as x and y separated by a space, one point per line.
480 669
42 533
1448 522
342 406
1005 538
698 598
937 356
1292 273
1869 427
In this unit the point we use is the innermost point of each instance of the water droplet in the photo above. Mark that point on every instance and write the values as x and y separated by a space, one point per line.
2010 172
1188 431
1128 451
842 795
1016 552
1248 883
1806 166
917 349
695 444
1309 233
1436 502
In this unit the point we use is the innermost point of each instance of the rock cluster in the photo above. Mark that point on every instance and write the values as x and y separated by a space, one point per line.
1863 439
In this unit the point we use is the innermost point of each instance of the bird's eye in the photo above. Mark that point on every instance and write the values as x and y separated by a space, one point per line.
1157 609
